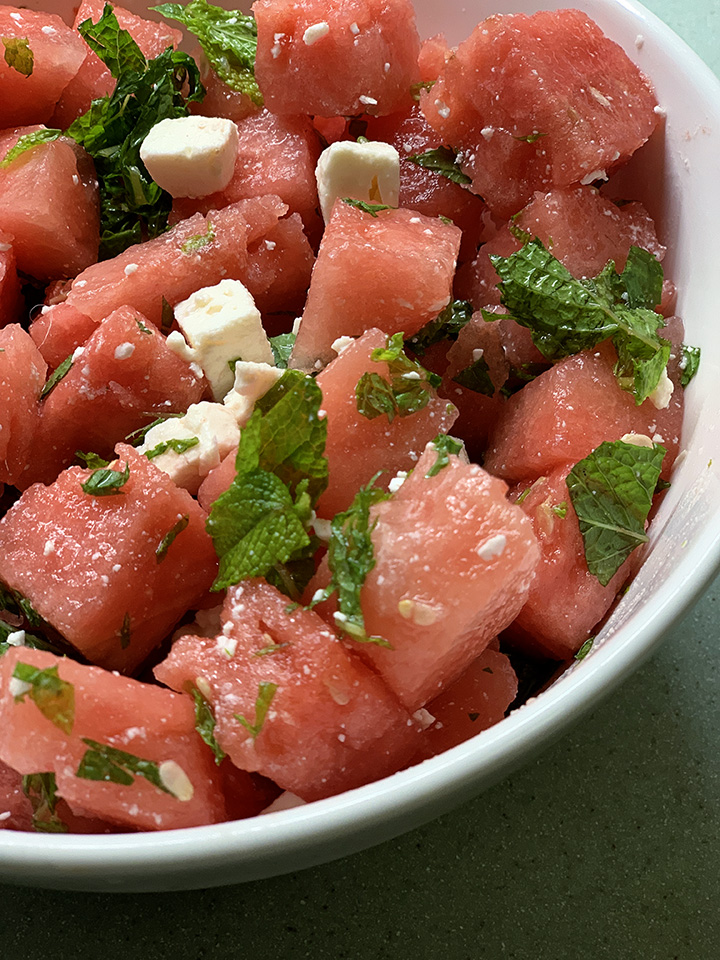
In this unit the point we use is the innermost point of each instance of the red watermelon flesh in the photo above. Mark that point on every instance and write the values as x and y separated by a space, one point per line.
364 62
120 380
12 304
476 701
454 561
434 53
41 55
569 410
565 600
146 273
392 270
93 80
49 206
539 101
217 481
16 811
220 100
93 567
331 724
579 226
356 447
136 718
276 155
279 267
422 189
22 376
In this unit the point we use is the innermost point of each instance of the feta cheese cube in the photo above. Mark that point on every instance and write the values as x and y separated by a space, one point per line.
252 381
191 156
363 171
222 324
660 397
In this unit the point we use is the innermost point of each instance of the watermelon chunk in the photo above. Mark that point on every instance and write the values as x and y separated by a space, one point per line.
392 270
12 304
220 100
22 376
101 570
16 811
330 723
356 447
135 718
536 101
41 55
279 267
340 58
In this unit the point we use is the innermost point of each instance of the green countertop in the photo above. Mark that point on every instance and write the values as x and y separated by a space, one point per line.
607 846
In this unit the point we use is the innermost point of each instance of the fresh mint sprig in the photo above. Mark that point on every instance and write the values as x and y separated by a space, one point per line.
442 160
409 389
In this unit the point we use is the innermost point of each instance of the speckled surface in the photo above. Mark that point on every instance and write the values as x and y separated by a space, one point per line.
607 846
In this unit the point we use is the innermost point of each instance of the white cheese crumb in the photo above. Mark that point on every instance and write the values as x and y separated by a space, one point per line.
6 814
16 638
18 688
487 132
342 343
594 175
397 481
443 109
424 718
494 547
130 269
354 29
368 101
124 350
323 529
660 397
48 548
316 32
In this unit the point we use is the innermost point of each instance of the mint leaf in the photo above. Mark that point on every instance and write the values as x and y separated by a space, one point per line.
372 208
271 648
444 446
170 536
407 391
282 346
199 240
41 791
266 693
585 649
18 55
228 39
137 437
92 460
106 482
29 640
205 724
521 375
351 557
531 137
611 492
54 379
689 363
642 279
442 160
446 326
114 46
108 764
476 377
54 698
176 444
27 142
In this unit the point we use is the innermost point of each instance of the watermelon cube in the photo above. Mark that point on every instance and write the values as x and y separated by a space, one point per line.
12 304
316 720
113 574
16 811
69 731
279 267
22 376
342 57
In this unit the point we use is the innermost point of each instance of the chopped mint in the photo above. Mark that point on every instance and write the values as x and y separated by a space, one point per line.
125 632
271 648
54 379
103 762
106 482
444 446
446 326
611 491
372 208
142 328
41 791
176 444
18 55
689 363
170 536
266 693
228 39
585 649
442 160
167 317
417 88
560 509
521 375
28 639
531 137
205 724
54 698
199 240
27 142
15 602
476 377
91 460
407 391
282 346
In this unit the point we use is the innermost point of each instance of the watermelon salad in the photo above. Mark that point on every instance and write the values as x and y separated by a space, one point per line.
338 389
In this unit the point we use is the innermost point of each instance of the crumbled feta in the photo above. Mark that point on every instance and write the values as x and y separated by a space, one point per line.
16 638
494 547
191 156
252 381
18 688
342 343
397 481
593 176
124 350
363 171
660 397
315 32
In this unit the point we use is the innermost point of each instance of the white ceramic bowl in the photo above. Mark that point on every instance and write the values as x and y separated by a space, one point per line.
677 178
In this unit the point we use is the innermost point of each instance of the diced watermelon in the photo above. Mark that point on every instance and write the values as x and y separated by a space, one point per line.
16 811
12 304
356 447
96 568
22 375
279 267
136 718
536 101
217 481
454 561
330 724
434 53
565 601
392 270
146 274
568 411
121 380
49 206
93 80
41 55
340 58
220 100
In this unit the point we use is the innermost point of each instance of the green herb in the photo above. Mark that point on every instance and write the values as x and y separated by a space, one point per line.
18 55
270 648
521 375
372 208
55 378
29 640
260 523
108 764
91 460
142 328
585 649
351 557
54 698
132 205
611 492
442 160
362 139
176 444
266 692
170 536
417 88
560 509
524 495
16 603
41 791
531 138
125 634
407 391
476 377
444 446
282 346
689 363
137 437
228 39
199 240
205 724
446 326
27 142
167 317
106 482
566 315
